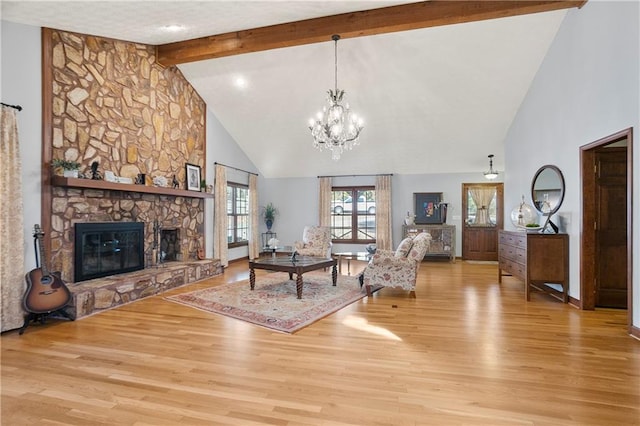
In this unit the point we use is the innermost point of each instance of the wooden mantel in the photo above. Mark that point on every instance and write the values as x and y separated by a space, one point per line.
113 186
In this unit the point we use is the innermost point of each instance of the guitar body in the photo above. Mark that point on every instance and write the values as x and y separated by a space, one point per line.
46 292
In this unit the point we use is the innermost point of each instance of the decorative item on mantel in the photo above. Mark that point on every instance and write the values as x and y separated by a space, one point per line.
335 128
160 181
193 174
141 179
69 168
109 176
269 213
95 173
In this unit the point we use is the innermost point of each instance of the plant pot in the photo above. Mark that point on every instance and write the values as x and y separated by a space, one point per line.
70 173
269 223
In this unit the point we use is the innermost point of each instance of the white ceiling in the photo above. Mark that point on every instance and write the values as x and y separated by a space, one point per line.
435 100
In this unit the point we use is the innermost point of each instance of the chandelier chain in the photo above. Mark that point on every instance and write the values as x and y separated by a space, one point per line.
335 56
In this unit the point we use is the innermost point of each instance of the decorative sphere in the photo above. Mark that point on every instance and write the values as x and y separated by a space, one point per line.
524 215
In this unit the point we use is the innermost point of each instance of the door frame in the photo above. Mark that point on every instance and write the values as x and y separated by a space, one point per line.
588 256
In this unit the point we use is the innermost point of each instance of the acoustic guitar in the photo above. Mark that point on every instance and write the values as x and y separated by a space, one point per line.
46 292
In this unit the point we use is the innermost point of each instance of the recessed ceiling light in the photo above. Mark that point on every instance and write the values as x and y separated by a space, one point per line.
174 28
240 82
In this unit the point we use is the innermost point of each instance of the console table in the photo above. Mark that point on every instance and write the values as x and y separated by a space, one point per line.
443 239
540 260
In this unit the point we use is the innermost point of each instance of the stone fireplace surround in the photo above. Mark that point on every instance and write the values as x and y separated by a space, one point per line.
108 101
83 200
73 205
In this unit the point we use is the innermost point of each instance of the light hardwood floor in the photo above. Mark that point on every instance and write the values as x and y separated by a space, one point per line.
465 351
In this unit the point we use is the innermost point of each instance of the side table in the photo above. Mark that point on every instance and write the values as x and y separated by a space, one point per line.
349 256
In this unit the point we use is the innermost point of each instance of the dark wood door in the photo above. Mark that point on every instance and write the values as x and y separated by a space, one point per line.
611 228
480 238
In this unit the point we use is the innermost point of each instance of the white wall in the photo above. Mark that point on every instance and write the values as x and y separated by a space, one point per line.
221 148
587 88
21 85
297 201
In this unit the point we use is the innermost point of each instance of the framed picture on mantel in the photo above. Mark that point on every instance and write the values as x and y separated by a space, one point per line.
427 207
193 177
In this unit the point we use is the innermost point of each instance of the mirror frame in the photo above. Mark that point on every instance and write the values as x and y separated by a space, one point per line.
562 188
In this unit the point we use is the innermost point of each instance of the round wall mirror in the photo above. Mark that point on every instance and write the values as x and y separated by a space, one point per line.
547 189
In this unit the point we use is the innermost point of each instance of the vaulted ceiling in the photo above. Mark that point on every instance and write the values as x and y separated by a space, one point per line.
434 100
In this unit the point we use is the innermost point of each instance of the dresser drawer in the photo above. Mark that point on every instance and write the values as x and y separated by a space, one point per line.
518 239
511 252
513 268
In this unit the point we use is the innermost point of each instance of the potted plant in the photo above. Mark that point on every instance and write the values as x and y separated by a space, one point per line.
69 168
269 213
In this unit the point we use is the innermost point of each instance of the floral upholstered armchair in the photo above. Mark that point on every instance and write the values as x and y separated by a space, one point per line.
399 268
316 241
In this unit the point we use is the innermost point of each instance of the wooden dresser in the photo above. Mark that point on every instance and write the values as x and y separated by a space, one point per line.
443 239
540 260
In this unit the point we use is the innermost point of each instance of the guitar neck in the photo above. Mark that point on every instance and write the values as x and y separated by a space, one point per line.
43 262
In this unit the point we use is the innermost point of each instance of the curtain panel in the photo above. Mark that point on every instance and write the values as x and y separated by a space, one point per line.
254 234
482 197
220 220
384 237
324 215
12 267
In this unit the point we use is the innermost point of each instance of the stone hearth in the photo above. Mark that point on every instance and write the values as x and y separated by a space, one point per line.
94 296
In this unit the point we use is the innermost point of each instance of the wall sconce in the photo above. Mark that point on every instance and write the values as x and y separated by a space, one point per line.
491 174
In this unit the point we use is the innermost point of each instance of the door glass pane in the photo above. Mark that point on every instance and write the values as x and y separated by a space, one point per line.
481 206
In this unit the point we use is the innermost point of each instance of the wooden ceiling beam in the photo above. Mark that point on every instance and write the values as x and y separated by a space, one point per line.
353 24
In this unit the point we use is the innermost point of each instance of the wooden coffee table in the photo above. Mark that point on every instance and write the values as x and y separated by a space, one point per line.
298 266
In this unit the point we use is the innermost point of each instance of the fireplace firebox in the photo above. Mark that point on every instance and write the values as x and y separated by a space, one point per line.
107 248
169 244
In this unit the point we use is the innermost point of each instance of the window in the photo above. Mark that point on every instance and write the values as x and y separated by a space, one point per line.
237 214
353 214
481 215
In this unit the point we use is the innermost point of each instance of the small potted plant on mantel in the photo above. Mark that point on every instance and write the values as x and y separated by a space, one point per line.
69 168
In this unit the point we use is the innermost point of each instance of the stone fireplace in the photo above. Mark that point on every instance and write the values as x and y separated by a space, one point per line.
108 105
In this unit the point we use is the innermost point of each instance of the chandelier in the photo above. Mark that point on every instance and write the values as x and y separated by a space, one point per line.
335 128
491 174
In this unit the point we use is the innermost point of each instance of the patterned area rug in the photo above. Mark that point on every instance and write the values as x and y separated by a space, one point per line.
273 303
